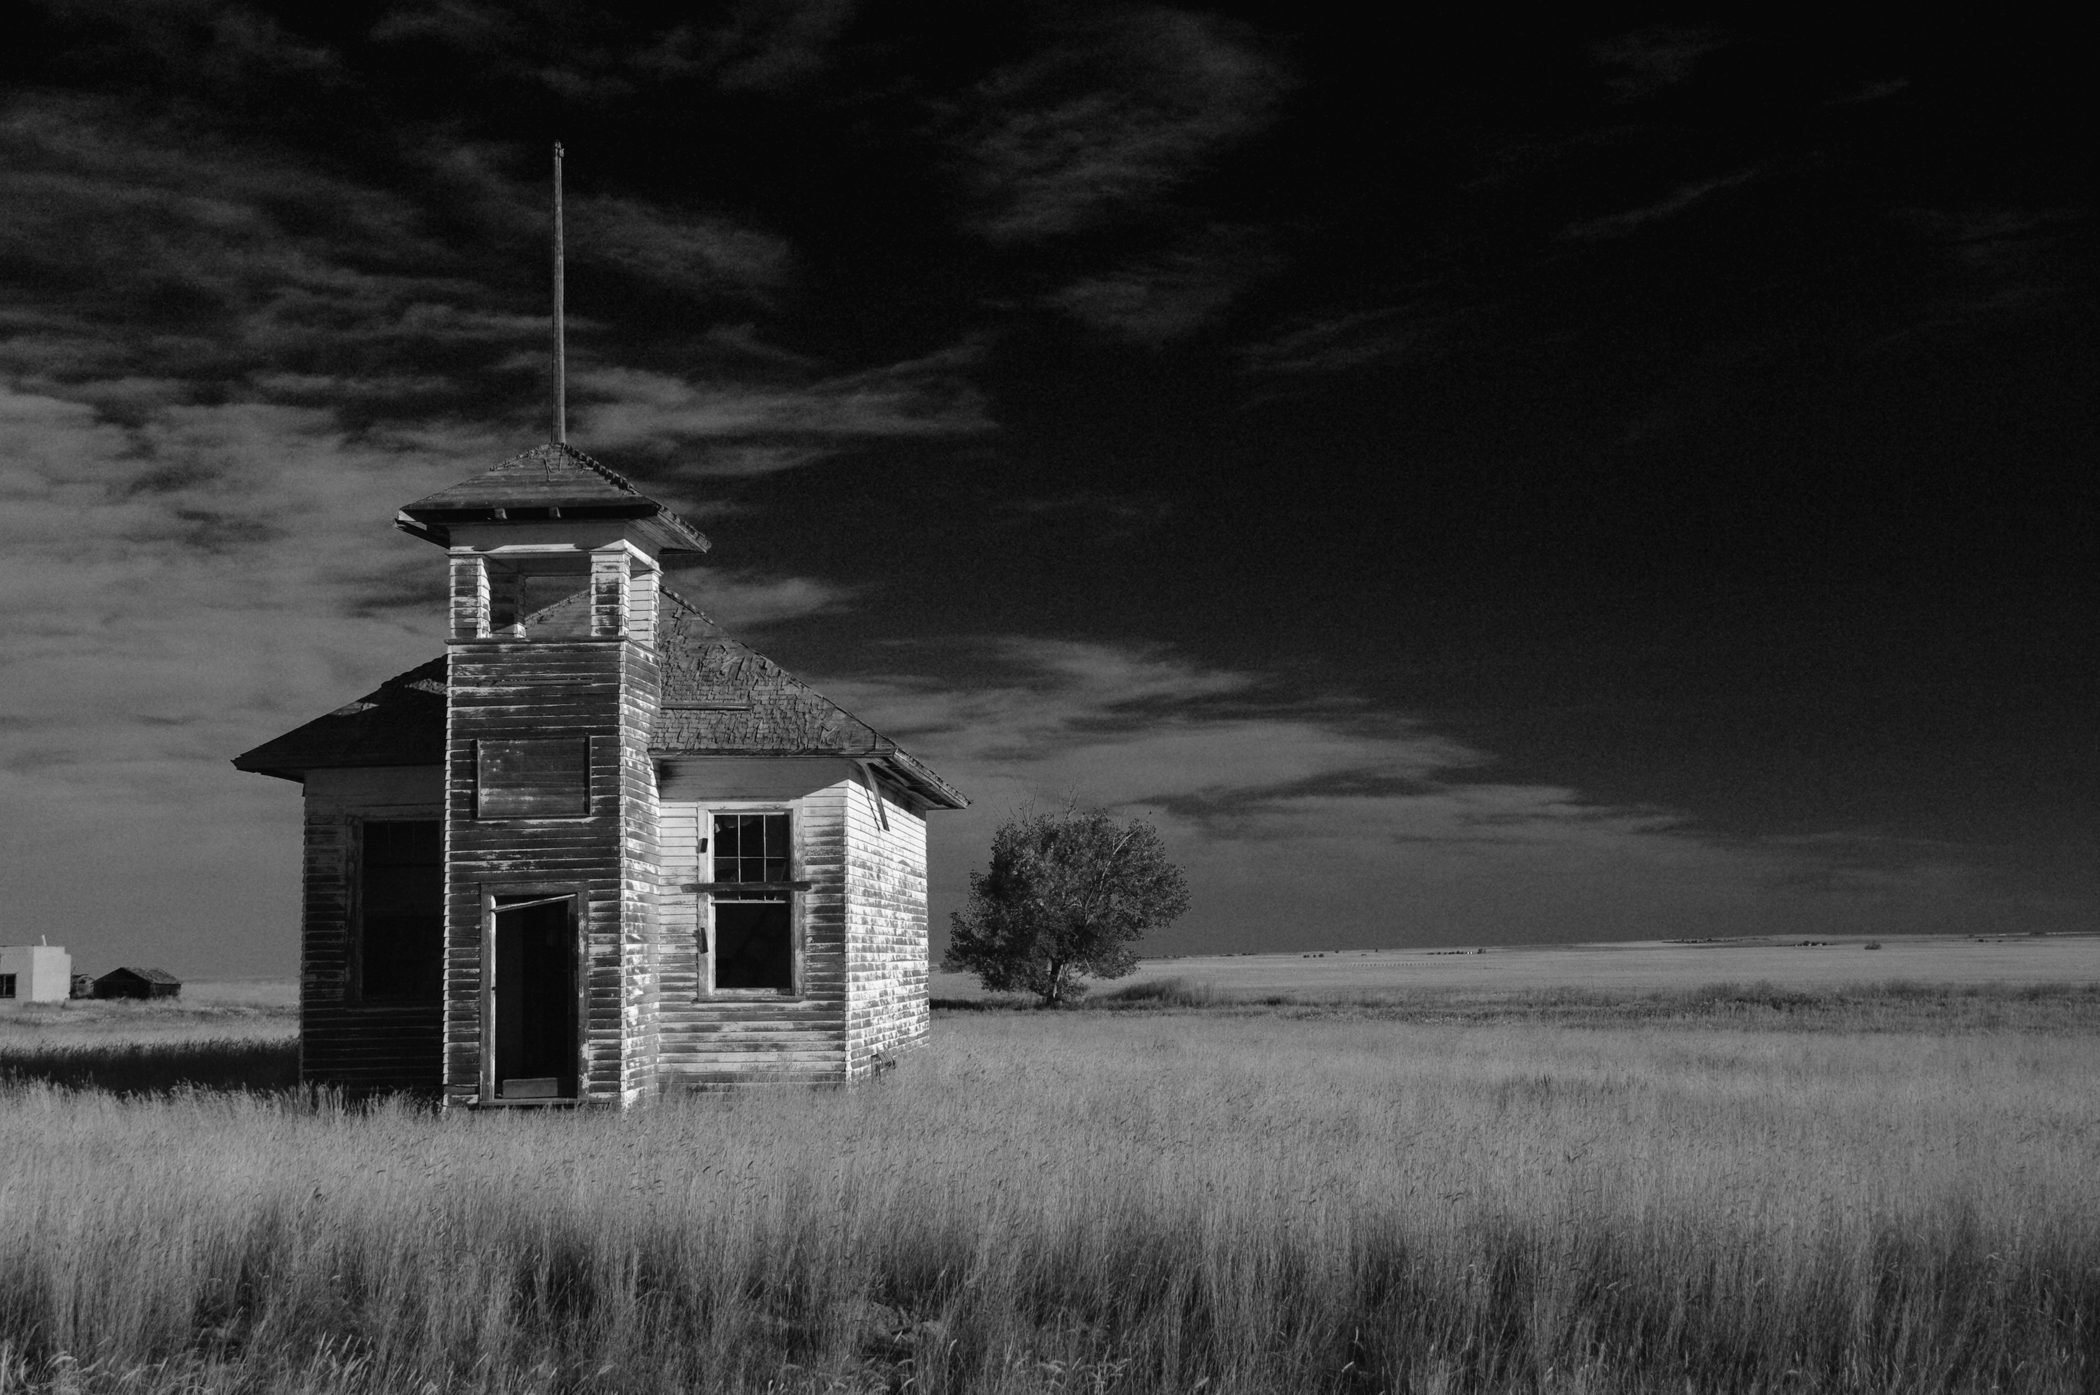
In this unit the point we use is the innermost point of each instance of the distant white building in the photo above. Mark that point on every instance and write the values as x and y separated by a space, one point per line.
35 974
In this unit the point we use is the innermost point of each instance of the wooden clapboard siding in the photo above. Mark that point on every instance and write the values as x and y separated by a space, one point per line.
709 1041
358 1048
884 885
602 689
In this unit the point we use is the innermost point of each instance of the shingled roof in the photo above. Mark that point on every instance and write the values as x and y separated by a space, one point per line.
549 481
720 697
401 722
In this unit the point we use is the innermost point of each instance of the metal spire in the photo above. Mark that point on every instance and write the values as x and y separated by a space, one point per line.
561 385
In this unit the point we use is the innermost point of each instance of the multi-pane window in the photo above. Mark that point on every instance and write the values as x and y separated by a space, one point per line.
7 985
751 847
401 911
754 946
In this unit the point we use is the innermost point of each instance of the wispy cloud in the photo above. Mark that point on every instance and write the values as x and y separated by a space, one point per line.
1642 62
1155 300
774 45
746 601
1675 202
144 255
1103 518
758 428
1108 120
1337 342
676 251
1309 819
2004 257
603 55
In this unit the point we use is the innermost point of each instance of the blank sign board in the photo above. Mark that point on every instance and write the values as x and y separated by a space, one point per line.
547 778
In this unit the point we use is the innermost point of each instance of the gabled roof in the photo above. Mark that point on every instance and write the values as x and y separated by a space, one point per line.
549 481
401 722
720 697
149 975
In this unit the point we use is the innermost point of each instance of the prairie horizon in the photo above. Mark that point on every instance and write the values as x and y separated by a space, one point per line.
1627 964
2054 957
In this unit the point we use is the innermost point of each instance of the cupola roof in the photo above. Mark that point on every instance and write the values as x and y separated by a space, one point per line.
553 481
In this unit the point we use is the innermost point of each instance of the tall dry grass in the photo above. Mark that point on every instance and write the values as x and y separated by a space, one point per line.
1106 1202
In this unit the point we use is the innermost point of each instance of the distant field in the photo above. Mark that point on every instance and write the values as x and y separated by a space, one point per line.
214 1037
242 1012
1635 966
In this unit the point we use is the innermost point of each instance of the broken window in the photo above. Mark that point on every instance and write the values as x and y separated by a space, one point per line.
401 912
754 946
536 779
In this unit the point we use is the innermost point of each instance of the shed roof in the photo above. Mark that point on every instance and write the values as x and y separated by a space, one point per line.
551 481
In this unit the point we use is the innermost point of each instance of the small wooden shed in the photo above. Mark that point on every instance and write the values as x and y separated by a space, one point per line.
138 983
600 848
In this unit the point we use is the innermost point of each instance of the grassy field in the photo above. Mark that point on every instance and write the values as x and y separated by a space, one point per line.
1854 1187
229 1037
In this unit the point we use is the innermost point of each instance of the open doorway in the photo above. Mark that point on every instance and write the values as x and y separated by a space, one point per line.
535 996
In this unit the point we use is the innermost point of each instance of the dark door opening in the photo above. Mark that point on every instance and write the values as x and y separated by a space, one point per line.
535 1006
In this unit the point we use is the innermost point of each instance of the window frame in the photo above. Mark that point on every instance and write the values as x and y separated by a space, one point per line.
793 887
7 986
354 975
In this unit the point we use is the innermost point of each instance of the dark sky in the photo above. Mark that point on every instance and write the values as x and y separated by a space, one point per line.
1604 480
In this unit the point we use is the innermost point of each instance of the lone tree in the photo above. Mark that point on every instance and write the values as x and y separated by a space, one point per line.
1067 894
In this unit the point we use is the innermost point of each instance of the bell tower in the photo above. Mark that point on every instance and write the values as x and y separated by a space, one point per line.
552 693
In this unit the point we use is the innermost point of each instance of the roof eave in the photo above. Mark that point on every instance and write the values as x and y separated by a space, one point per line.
922 778
659 525
276 772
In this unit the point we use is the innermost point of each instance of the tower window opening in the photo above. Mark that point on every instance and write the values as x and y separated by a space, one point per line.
543 599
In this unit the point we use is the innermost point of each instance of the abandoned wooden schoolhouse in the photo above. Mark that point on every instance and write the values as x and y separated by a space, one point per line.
599 849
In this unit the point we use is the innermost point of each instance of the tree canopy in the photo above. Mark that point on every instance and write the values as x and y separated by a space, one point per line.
1067 894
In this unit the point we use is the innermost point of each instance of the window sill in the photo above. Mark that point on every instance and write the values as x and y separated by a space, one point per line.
733 888
539 641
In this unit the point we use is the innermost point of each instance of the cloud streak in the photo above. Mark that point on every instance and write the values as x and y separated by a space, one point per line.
1108 121
754 429
1632 220
1156 300
1310 821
